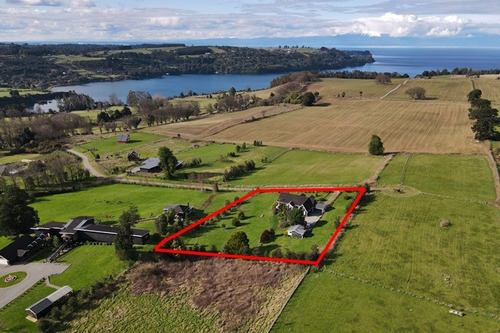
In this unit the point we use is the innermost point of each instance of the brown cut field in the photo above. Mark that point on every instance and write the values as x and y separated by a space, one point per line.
346 126
450 89
490 87
200 128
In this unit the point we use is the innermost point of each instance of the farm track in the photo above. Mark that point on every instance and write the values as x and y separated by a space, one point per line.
393 90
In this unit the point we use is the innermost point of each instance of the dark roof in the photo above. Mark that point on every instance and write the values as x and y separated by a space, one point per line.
139 232
50 225
179 209
47 302
123 137
10 251
76 223
133 155
297 200
40 306
151 163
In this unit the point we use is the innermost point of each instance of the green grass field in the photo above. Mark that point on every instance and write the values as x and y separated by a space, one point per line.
398 242
5 92
17 158
259 217
107 202
467 177
211 156
89 264
326 302
300 167
110 145
12 317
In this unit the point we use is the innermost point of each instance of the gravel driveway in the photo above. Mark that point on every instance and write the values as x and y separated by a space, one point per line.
36 272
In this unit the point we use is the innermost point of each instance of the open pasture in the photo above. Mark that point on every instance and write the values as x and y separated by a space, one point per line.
110 144
347 125
466 177
439 89
107 202
398 242
300 167
325 302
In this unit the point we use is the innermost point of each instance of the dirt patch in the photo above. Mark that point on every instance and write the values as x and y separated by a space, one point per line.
234 288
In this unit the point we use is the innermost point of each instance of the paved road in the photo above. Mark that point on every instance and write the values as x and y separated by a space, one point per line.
36 271
86 163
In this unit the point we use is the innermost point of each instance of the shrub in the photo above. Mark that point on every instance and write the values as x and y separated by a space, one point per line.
235 222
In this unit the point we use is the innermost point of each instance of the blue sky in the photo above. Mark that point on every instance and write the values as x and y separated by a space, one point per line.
148 20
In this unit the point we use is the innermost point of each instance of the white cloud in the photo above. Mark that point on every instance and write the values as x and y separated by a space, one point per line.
36 2
165 21
395 25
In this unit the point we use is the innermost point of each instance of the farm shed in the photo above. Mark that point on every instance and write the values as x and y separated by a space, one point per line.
123 138
151 164
41 307
296 231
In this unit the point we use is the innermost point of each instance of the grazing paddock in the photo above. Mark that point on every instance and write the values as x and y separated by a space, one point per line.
438 88
330 89
300 167
398 242
347 125
110 144
326 302
467 177
107 202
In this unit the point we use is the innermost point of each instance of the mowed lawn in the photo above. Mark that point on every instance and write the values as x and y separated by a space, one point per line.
300 167
443 88
468 177
326 302
346 125
107 202
12 317
398 242
89 264
110 145
259 217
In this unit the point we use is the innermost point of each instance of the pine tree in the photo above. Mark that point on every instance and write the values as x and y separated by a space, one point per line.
124 245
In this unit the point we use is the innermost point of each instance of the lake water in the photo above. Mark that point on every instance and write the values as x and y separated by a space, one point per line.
402 60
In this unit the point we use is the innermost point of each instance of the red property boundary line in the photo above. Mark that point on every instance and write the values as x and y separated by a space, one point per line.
360 190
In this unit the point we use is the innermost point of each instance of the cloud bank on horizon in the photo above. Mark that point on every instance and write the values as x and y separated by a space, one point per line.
126 20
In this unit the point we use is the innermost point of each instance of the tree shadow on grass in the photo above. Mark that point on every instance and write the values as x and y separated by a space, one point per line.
265 250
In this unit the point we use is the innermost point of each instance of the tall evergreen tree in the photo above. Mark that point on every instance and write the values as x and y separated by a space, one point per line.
124 245
16 217
168 162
